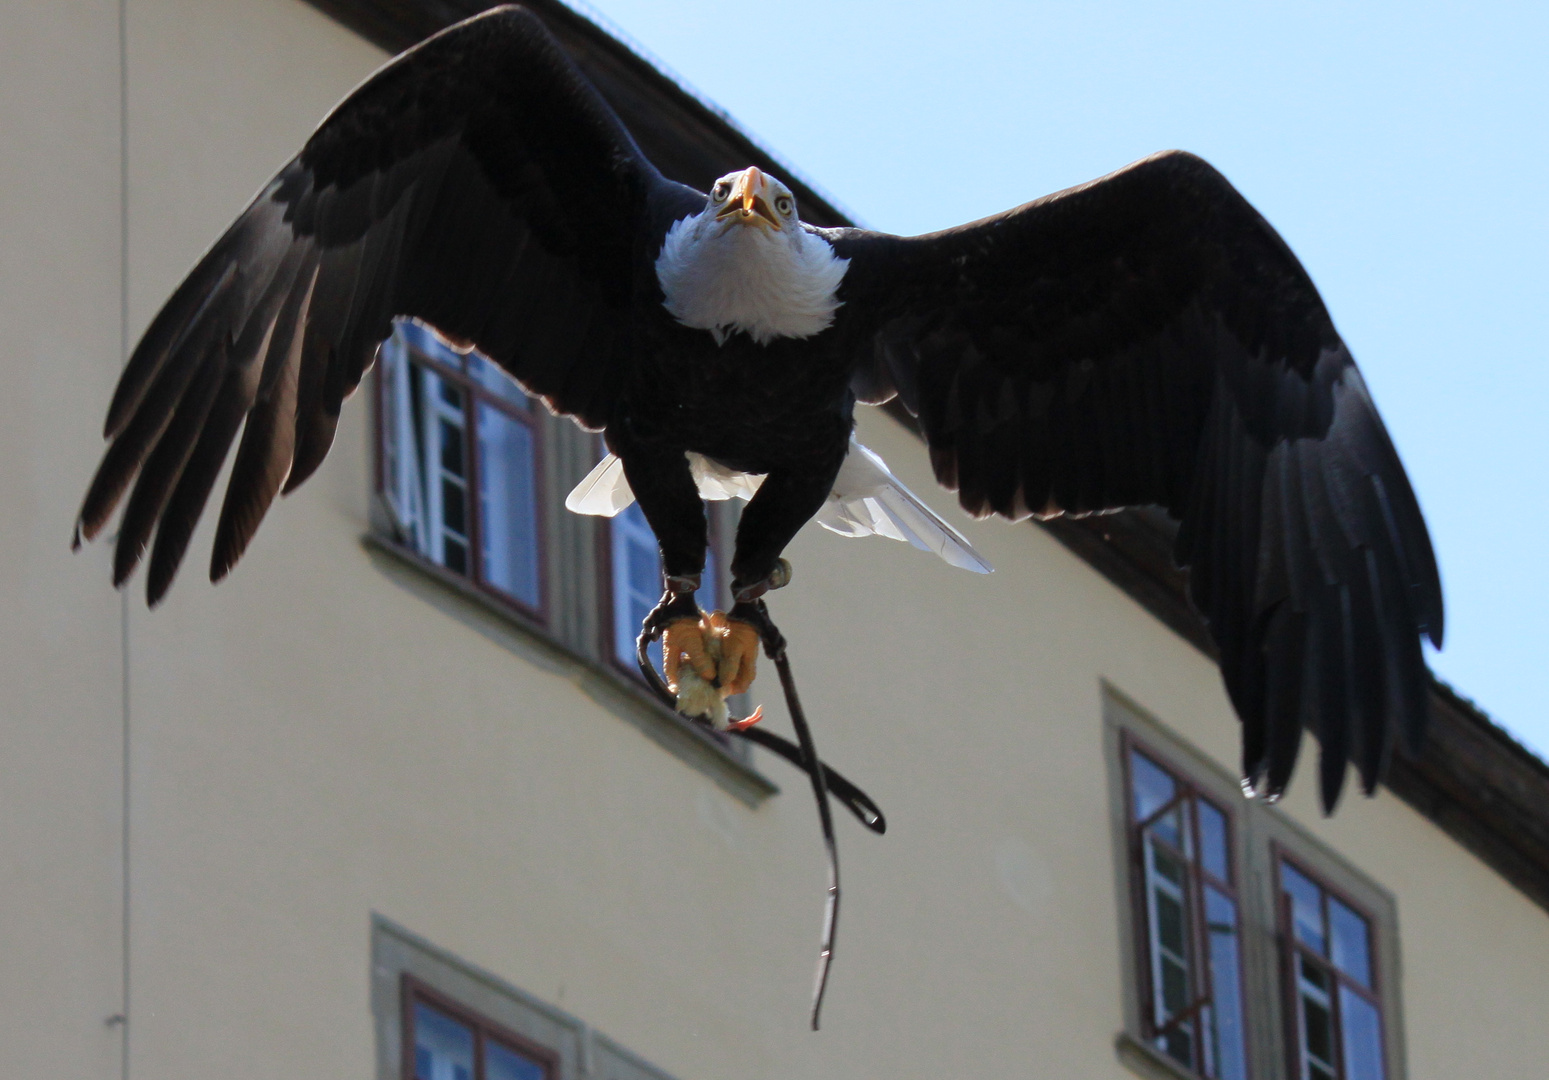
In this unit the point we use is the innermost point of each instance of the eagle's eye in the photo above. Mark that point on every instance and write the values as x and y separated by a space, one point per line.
784 204
722 189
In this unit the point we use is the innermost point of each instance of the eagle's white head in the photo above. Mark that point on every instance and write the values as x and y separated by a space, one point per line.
746 262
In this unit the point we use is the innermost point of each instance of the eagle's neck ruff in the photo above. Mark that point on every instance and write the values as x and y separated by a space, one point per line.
767 284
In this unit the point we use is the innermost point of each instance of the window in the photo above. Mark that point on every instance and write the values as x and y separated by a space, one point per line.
448 1042
461 454
1336 1018
440 1018
1181 844
460 464
1251 950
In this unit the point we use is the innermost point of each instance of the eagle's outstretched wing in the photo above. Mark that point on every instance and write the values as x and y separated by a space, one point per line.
477 182
1148 339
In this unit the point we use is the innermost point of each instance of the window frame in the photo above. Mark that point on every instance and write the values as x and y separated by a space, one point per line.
1198 877
1290 951
405 966
534 419
414 990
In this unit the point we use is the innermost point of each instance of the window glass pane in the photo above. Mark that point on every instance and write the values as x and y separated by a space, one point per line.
442 430
454 555
1228 1040
508 505
1314 977
402 479
451 437
1167 924
1175 987
1352 953
443 1048
1362 1030
503 1063
1306 908
492 378
1152 788
637 582
1169 828
454 514
1317 1033
1212 840
1178 1045
1169 929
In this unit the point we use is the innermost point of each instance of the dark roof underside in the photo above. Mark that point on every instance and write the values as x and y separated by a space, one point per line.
1472 779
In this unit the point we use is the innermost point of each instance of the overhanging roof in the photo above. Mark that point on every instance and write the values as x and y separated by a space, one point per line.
1472 779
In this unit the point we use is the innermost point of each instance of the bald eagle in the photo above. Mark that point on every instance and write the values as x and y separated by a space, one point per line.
1146 338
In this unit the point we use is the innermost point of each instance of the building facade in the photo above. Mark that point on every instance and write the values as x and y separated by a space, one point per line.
387 803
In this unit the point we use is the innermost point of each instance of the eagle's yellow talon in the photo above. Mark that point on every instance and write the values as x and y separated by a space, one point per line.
739 654
684 639
720 655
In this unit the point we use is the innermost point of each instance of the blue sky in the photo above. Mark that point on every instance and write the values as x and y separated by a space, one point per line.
1399 148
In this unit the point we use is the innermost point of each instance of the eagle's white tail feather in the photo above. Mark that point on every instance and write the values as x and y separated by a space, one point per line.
603 492
867 500
717 483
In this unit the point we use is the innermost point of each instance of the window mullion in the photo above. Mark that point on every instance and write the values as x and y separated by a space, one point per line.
473 448
1201 921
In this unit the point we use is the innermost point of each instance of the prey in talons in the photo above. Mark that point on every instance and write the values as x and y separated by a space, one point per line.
708 657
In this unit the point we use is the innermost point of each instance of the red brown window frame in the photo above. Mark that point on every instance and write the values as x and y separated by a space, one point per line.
1199 967
413 990
1291 950
533 419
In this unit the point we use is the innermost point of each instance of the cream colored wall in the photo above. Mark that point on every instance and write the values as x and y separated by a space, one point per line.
312 742
60 702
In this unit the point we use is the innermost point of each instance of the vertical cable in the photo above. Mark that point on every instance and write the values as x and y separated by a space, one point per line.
123 609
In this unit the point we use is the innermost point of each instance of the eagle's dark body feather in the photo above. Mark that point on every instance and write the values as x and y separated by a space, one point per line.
1146 338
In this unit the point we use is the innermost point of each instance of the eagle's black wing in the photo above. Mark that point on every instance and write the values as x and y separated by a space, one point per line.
477 182
1148 339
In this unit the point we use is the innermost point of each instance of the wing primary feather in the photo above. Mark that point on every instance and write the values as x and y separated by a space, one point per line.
373 305
187 306
1325 708
1283 643
1368 669
316 415
188 499
186 504
264 455
165 464
137 438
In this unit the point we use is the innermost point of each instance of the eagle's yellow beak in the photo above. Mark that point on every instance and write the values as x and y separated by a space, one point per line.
749 200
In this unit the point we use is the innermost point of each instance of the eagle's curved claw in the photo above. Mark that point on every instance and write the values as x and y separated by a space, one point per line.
747 721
